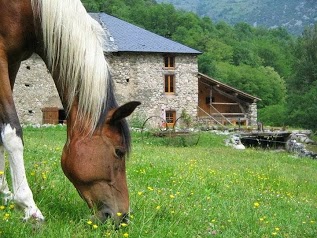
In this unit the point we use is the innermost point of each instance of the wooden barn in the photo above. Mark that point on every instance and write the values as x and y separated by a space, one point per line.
219 103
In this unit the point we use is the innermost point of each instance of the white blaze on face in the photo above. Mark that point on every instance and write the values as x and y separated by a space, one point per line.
22 194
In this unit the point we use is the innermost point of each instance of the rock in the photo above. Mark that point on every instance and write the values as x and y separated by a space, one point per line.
235 142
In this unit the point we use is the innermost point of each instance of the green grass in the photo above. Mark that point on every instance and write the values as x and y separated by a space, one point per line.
207 190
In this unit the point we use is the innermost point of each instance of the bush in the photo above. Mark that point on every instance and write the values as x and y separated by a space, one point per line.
274 115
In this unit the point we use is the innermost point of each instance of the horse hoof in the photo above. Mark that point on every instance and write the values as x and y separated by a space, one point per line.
33 214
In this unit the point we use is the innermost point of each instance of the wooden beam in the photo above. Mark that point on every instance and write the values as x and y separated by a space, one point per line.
231 96
228 114
239 101
225 103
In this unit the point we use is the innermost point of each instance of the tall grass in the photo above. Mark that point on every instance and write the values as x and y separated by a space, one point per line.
207 190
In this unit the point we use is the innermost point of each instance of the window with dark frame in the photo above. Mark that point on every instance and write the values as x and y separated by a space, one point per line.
169 61
169 83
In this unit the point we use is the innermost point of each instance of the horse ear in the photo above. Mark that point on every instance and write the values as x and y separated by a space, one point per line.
123 111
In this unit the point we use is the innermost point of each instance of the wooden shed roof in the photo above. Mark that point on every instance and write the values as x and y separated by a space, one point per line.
227 89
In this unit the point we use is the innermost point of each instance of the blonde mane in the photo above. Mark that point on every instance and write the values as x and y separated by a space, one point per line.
73 44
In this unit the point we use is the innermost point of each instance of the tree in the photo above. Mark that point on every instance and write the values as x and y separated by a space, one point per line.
302 99
206 64
262 82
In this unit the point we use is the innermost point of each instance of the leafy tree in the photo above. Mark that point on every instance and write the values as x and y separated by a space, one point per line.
302 99
273 115
244 53
244 31
262 82
206 64
219 51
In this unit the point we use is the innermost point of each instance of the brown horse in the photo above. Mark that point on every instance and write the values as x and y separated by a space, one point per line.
71 44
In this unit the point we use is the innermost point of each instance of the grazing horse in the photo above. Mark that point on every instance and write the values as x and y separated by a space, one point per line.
71 44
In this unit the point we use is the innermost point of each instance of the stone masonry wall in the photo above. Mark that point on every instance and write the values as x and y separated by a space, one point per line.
141 77
34 89
253 114
136 76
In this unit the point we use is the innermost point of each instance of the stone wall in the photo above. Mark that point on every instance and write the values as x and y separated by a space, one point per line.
141 77
34 89
136 76
253 114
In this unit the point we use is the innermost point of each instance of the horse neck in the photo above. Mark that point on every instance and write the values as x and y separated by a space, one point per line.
77 126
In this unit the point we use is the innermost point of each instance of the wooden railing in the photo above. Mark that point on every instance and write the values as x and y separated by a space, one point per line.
223 116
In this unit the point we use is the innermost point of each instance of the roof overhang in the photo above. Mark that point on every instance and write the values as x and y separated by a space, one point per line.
227 89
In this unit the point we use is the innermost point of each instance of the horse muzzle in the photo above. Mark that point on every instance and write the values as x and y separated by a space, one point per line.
105 213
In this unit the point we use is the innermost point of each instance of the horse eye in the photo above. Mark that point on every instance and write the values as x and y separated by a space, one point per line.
119 152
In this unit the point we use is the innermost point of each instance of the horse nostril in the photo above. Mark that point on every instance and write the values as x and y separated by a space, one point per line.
125 218
107 215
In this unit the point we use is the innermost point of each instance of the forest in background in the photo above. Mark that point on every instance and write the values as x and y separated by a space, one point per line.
271 64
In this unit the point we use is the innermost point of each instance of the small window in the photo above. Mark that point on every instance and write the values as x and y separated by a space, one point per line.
170 118
169 83
169 62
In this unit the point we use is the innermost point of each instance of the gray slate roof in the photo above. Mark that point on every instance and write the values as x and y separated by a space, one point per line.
125 37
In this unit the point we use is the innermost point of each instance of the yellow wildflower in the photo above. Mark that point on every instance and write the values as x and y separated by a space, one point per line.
2 207
140 193
119 214
126 235
124 225
94 226
256 204
11 206
6 216
150 188
1 173
172 196
44 176
89 222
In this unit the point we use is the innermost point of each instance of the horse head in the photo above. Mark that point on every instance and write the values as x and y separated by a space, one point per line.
95 164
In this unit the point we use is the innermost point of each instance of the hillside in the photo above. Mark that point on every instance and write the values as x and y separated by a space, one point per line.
294 15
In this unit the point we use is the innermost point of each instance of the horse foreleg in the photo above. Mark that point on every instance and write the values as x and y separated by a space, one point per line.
11 137
22 194
4 188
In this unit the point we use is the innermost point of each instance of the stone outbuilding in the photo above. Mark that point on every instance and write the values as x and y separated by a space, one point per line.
157 71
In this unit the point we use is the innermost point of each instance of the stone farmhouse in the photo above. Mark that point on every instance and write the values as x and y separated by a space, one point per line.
159 72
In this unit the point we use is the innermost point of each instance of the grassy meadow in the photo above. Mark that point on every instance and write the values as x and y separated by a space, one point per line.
207 190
